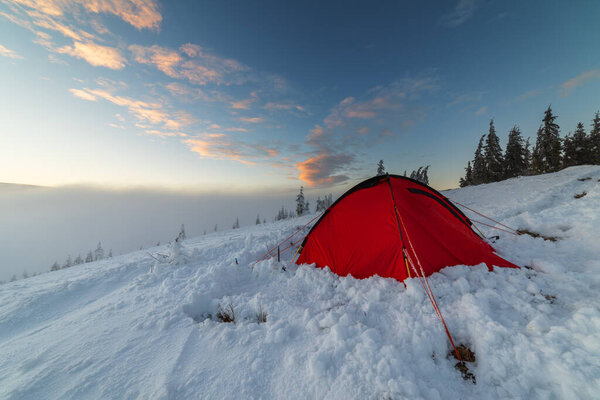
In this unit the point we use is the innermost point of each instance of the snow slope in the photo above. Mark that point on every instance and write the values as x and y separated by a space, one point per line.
135 328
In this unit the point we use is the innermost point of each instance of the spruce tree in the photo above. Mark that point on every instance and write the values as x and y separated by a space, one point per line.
527 158
89 257
55 266
537 158
257 220
99 253
568 151
479 171
581 145
182 235
515 158
468 180
300 204
547 152
78 260
380 168
594 150
493 155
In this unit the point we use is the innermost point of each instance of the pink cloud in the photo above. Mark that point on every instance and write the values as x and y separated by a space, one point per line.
9 53
95 54
568 86
253 120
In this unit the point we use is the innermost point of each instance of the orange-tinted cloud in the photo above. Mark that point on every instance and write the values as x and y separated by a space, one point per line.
166 60
319 170
9 53
142 14
144 112
95 54
198 66
253 120
222 147
568 86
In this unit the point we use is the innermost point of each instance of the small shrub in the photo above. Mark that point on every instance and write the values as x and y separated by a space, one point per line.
579 195
261 316
536 235
226 314
467 355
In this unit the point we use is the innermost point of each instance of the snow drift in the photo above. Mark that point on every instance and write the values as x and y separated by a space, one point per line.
133 327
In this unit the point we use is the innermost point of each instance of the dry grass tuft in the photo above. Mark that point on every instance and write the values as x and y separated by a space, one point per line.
467 355
584 179
536 235
226 314
261 316
579 195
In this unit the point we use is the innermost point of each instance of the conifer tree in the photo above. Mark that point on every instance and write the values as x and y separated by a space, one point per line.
594 150
380 168
515 158
581 145
236 224
568 151
78 260
493 156
547 151
55 266
300 203
68 263
182 235
527 157
257 219
99 253
89 257
479 170
468 179
110 253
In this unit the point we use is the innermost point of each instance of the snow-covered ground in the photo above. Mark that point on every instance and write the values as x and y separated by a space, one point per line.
134 328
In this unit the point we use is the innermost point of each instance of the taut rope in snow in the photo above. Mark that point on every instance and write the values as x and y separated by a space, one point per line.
287 238
486 217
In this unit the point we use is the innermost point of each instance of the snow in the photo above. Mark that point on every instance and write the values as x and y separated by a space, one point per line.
135 327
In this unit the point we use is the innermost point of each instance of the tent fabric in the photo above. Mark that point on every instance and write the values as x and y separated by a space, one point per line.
361 234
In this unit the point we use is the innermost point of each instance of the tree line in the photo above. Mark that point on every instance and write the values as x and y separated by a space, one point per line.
551 153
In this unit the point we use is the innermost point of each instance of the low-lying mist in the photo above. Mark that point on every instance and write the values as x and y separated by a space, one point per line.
42 225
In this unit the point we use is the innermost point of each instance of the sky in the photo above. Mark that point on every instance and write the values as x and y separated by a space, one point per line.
253 96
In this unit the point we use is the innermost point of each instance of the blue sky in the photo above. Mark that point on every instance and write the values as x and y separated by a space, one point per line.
240 96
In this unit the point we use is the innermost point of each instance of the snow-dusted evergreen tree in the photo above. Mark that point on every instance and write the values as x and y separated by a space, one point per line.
300 202
257 219
216 227
55 266
568 151
515 158
493 156
182 235
89 257
13 278
421 175
282 214
78 260
581 145
236 224
594 154
527 152
547 151
177 255
468 179
25 274
479 170
99 252
110 253
323 204
68 263
380 168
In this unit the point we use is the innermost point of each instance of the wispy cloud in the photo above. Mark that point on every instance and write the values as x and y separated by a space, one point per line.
95 54
252 120
357 124
153 113
142 14
220 146
567 87
482 110
462 12
191 62
9 53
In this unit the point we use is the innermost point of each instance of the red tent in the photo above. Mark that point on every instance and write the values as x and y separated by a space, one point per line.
382 224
